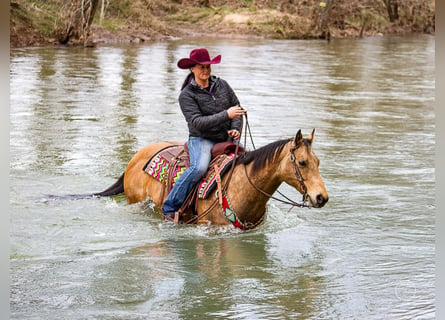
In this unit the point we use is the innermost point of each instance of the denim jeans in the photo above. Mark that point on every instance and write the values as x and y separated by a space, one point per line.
200 156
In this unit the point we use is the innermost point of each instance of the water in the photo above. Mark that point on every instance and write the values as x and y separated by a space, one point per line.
78 115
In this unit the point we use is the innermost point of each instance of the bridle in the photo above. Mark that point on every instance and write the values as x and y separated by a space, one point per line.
289 201
299 178
297 170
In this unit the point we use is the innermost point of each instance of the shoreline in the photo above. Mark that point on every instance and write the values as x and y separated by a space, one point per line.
34 26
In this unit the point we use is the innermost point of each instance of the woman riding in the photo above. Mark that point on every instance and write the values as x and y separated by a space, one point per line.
213 115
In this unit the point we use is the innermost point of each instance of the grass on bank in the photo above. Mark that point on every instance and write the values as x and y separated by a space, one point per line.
44 19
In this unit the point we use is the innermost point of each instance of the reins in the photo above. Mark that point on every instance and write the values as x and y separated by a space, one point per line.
296 170
224 188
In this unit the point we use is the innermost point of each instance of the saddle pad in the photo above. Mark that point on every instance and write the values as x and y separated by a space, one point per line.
160 165
208 183
168 165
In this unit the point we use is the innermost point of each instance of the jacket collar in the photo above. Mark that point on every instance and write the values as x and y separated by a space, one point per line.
212 82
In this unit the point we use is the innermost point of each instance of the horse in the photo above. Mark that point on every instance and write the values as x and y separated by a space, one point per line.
254 177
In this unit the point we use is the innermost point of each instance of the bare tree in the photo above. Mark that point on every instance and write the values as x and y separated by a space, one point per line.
323 17
103 6
80 16
392 7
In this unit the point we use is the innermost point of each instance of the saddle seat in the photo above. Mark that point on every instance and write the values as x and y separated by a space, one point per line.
225 147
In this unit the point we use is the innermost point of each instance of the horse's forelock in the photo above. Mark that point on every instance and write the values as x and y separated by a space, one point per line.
307 142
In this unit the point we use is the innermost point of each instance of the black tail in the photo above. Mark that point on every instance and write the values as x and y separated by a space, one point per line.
115 189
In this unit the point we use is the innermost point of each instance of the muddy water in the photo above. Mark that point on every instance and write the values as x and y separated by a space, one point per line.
78 115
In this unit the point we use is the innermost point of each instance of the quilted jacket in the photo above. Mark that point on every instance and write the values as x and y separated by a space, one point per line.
205 110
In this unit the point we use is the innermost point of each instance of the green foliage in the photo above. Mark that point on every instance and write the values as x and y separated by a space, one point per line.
41 14
112 24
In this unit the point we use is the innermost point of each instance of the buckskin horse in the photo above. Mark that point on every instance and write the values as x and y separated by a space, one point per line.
243 192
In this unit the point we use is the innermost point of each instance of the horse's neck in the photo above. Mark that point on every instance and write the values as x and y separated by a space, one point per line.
269 178
251 192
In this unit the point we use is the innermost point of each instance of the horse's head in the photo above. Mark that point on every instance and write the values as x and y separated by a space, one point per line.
301 170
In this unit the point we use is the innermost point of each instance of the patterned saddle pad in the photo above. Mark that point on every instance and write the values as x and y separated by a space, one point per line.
169 164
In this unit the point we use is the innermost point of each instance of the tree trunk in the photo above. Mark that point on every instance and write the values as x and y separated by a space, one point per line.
322 24
102 11
80 16
392 7
325 15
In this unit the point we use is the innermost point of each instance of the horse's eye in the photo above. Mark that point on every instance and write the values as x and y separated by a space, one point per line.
302 163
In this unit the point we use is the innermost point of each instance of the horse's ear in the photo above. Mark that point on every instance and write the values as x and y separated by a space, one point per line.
311 136
298 139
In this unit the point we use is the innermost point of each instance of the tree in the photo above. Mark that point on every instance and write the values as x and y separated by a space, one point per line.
323 17
392 7
80 15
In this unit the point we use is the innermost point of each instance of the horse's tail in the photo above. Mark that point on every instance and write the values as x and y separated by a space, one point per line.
113 190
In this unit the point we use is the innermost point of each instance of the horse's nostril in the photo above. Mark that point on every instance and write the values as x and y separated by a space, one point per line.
321 200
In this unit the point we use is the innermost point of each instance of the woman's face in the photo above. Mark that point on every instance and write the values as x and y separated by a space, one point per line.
202 71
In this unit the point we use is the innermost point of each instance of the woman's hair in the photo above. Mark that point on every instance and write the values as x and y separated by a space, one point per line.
187 80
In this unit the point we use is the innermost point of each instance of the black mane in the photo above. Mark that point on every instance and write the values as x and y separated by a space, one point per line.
263 155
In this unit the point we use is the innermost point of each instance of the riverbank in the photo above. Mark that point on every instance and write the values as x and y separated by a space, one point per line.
34 23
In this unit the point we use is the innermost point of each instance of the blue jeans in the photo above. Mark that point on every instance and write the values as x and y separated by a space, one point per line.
200 156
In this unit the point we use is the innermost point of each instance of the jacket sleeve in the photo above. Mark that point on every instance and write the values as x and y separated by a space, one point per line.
193 115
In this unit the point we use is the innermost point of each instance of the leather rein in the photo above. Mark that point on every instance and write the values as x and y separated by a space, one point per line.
289 201
296 171
299 178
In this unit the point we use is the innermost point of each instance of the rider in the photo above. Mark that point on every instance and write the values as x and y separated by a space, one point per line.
213 114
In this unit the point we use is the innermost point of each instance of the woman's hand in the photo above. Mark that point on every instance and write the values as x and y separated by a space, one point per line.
234 134
236 112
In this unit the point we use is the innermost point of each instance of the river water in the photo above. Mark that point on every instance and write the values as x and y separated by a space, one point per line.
77 115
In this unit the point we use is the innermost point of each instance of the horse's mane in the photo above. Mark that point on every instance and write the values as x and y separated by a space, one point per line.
262 156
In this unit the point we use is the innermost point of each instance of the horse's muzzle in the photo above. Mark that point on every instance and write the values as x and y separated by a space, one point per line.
320 201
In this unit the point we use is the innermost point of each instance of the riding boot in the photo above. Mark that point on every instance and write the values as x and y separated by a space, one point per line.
172 216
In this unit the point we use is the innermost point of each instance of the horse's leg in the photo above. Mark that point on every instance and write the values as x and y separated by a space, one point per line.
138 185
247 202
210 211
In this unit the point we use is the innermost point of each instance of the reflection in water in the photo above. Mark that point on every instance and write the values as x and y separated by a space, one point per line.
221 277
146 277
78 115
127 107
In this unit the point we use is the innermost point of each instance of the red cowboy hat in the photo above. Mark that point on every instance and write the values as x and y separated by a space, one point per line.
198 56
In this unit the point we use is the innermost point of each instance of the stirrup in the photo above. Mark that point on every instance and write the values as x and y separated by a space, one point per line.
171 216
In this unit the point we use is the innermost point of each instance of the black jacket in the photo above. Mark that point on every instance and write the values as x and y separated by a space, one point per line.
206 110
